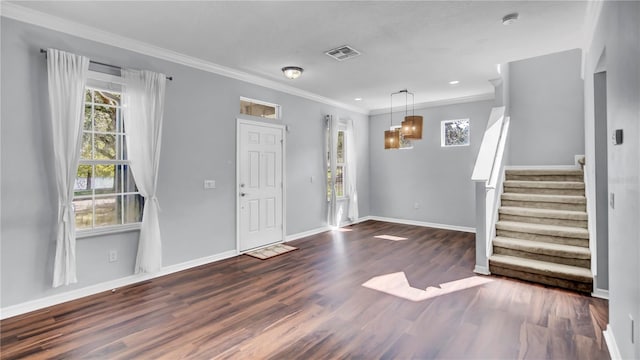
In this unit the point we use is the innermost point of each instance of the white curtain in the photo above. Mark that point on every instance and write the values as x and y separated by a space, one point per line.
351 172
143 94
67 76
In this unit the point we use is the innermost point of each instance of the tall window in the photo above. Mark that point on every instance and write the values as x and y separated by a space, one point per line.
340 157
340 165
105 192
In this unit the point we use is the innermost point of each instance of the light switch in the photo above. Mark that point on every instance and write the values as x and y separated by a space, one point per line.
617 136
612 200
209 184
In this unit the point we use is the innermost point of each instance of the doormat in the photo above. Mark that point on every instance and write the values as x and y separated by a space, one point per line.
271 251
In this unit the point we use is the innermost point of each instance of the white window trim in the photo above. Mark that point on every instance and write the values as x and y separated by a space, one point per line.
265 103
107 230
114 84
442 144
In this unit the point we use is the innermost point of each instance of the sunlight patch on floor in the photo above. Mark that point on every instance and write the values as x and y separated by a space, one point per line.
342 229
390 237
396 284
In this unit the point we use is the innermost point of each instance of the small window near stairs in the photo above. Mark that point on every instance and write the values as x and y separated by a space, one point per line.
454 133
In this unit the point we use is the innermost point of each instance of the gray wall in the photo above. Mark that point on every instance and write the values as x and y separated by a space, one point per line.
546 109
617 34
601 182
198 143
438 179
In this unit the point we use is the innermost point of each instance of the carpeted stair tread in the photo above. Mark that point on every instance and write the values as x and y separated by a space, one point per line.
545 248
544 213
565 199
544 184
544 268
538 172
543 229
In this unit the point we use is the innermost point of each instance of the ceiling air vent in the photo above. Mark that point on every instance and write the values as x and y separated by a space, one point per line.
343 53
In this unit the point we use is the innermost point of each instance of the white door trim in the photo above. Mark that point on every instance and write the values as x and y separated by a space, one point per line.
240 121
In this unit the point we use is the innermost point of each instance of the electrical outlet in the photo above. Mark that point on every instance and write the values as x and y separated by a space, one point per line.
209 184
113 255
416 205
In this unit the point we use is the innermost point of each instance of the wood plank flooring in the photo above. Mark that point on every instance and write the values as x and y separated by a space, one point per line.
310 304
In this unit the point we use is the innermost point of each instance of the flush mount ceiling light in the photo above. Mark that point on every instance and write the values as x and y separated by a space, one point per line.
510 18
454 82
292 72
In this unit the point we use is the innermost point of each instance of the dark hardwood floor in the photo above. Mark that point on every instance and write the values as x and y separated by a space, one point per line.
310 304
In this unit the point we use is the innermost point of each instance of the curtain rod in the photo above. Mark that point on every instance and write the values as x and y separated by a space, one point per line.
170 78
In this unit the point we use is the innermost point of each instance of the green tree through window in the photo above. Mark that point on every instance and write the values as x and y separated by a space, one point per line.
105 192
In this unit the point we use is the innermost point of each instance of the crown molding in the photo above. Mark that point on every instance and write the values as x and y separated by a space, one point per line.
30 16
443 102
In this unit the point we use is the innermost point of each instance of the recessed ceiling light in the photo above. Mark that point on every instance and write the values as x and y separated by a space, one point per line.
510 18
358 99
454 82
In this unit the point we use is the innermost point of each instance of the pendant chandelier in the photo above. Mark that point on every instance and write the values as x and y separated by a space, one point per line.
411 127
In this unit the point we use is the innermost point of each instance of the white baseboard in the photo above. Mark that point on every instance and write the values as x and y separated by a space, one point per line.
600 293
614 351
362 219
482 270
38 304
307 233
423 223
357 221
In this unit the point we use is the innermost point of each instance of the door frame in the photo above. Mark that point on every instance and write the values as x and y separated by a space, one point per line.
282 128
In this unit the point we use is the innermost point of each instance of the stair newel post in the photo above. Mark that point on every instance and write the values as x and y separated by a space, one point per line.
482 230
486 174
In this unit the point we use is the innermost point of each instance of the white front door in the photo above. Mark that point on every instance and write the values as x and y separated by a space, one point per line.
260 187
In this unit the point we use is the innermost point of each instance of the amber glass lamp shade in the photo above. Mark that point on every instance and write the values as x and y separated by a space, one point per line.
392 139
412 127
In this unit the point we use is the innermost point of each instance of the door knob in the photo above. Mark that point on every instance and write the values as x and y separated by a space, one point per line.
243 194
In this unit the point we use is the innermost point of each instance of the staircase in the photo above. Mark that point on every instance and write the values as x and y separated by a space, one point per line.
541 234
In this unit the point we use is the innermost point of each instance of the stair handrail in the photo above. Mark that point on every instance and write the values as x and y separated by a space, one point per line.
488 174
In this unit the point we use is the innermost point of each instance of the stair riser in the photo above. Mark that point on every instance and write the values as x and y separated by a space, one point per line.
578 178
544 205
544 191
547 221
541 279
544 238
585 263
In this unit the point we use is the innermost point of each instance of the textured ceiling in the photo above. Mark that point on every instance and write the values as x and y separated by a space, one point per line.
416 45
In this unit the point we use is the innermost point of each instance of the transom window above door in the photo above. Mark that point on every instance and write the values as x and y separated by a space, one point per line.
259 108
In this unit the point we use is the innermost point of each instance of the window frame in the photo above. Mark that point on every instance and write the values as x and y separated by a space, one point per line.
111 83
443 137
333 164
343 164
